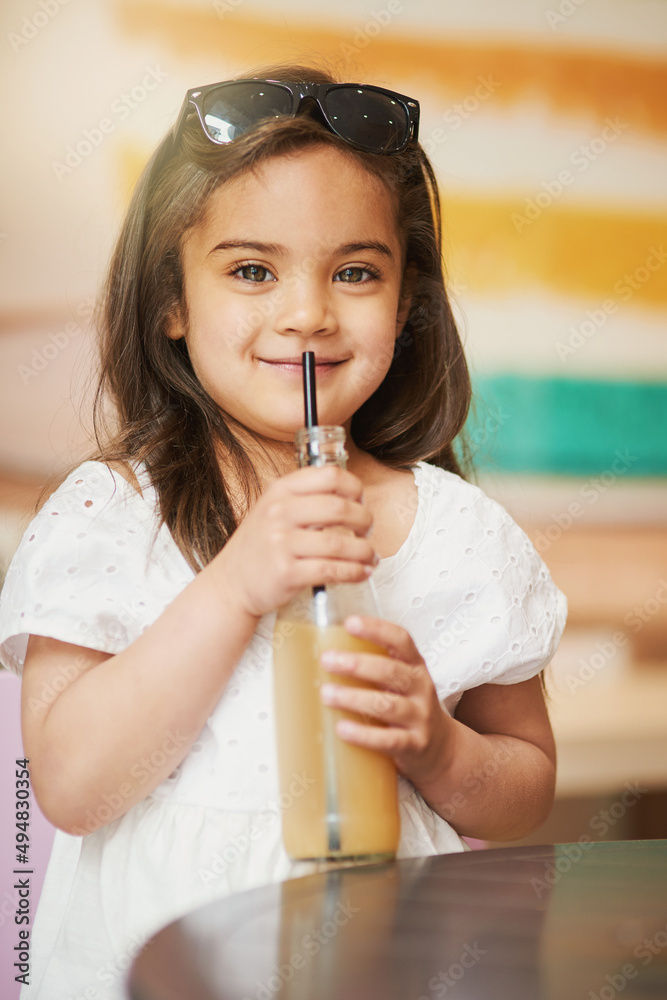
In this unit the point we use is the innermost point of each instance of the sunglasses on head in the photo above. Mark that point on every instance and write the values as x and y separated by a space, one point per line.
369 118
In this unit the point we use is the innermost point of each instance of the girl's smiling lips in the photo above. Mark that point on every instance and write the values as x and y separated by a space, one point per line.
295 364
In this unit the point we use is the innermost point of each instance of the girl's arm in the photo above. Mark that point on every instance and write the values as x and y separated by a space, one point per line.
499 777
490 772
93 747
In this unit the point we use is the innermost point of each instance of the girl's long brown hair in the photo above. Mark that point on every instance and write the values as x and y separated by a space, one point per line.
161 414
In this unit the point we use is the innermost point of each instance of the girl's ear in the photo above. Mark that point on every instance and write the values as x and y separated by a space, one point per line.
405 301
175 328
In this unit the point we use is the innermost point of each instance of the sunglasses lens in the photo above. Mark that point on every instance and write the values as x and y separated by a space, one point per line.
230 111
367 118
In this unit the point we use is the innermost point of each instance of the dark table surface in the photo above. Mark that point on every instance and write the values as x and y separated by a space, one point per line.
535 923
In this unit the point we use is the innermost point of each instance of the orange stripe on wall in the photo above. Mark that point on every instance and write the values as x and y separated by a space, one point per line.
576 251
571 81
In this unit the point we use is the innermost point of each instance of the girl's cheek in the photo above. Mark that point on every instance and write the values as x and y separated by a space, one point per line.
241 326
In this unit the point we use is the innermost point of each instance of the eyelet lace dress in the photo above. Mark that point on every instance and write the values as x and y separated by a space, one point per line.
95 568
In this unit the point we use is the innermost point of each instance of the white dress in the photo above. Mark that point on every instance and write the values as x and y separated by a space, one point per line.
91 569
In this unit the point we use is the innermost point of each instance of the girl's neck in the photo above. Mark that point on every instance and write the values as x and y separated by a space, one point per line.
273 459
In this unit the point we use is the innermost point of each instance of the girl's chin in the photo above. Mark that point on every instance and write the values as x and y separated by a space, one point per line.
280 427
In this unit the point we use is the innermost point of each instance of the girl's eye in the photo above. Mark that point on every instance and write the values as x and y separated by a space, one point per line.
355 275
255 273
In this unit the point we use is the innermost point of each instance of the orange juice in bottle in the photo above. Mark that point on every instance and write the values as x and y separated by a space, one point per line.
350 808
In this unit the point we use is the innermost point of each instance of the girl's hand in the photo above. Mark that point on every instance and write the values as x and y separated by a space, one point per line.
274 553
416 732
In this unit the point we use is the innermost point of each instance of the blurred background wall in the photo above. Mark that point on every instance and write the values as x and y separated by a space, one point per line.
546 121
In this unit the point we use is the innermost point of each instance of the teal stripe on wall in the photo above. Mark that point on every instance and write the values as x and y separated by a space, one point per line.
569 426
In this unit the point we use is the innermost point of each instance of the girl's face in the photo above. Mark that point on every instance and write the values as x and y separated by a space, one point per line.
301 254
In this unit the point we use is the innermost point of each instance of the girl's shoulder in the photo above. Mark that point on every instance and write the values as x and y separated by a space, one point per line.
94 567
97 510
459 498
476 595
458 518
95 486
406 503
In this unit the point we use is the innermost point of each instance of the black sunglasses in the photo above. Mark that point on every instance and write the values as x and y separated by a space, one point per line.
370 118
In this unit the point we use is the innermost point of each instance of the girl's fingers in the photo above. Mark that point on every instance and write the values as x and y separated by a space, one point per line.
320 479
333 543
313 572
395 639
391 675
380 706
385 739
324 510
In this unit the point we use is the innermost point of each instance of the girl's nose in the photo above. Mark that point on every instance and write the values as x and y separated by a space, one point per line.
305 309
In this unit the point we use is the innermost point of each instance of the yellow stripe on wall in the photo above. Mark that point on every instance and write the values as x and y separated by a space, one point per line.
571 81
577 251
491 246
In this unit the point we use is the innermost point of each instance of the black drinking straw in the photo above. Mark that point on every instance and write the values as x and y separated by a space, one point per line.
309 388
332 807
310 407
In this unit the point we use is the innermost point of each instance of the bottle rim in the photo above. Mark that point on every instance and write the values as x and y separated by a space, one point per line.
321 432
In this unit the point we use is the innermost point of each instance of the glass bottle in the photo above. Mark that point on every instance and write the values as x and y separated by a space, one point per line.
345 804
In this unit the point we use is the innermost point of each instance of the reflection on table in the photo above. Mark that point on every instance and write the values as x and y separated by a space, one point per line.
541 923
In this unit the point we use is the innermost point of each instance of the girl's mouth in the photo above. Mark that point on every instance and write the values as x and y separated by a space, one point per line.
294 364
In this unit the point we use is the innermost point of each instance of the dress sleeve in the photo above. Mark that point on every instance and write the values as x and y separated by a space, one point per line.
91 569
498 616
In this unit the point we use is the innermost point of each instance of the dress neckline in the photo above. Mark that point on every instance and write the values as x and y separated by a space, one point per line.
391 565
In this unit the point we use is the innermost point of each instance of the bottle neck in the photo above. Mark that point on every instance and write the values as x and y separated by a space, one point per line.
321 445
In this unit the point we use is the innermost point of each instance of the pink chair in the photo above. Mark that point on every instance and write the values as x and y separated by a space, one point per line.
40 832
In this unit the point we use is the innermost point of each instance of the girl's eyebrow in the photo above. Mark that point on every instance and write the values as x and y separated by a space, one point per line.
354 248
265 248
274 248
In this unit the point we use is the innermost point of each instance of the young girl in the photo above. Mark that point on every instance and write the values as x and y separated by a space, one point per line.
273 219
